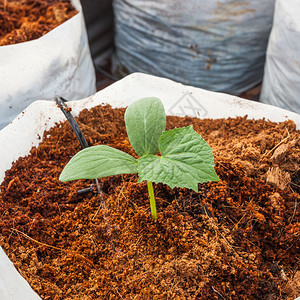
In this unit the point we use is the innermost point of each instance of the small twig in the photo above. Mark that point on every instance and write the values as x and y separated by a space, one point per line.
31 225
218 232
60 214
239 221
226 241
295 208
119 195
118 293
233 222
218 293
297 185
206 211
102 203
91 238
136 278
283 275
277 145
221 163
53 247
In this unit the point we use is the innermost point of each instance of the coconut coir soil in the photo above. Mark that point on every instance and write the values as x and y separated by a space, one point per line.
26 20
236 239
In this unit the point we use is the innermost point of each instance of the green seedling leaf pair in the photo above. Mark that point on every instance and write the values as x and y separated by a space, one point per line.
185 158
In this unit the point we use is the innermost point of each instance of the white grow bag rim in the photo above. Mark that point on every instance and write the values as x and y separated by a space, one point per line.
27 129
178 99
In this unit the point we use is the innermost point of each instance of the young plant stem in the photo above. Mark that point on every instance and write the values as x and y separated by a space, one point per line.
152 200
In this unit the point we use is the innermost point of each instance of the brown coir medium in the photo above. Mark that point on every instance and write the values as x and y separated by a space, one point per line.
237 238
26 20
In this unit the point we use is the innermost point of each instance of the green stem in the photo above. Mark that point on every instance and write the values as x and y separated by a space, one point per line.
152 200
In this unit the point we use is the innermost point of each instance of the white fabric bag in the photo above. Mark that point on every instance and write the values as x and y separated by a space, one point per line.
281 83
25 131
58 63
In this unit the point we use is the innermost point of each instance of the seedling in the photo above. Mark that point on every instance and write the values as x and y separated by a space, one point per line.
185 159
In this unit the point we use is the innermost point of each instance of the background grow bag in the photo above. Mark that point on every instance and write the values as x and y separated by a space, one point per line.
215 45
282 70
178 100
58 63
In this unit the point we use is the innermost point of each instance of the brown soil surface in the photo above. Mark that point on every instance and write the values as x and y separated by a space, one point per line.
236 239
26 20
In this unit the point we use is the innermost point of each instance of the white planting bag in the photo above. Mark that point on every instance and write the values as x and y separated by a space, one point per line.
25 131
281 83
58 63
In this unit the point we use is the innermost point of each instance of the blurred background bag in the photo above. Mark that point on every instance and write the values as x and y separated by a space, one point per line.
58 63
218 45
281 83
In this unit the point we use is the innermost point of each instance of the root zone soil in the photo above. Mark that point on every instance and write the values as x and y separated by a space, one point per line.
26 20
235 239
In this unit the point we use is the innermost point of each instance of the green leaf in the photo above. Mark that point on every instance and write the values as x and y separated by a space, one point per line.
98 161
186 160
145 122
